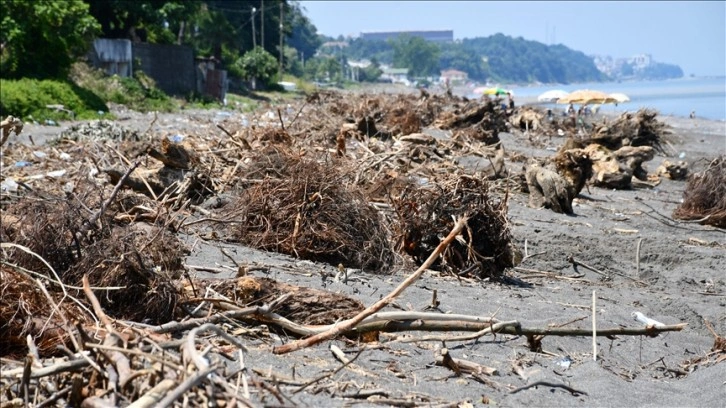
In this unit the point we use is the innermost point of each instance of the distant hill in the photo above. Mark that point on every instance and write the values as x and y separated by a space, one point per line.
641 66
510 59
497 58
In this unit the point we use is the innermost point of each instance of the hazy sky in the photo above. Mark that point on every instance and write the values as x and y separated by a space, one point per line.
690 34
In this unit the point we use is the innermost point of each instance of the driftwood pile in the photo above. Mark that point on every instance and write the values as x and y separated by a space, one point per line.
610 157
93 271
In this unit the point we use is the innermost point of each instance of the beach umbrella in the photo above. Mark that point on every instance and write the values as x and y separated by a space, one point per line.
585 96
479 90
552 95
620 97
497 91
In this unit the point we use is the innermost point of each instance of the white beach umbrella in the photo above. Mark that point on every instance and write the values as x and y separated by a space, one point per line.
620 97
552 95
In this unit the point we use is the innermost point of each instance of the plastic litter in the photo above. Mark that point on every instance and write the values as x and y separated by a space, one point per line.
9 186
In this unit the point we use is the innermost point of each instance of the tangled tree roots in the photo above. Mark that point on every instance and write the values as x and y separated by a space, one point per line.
24 310
139 261
303 208
426 214
705 196
144 261
49 227
643 129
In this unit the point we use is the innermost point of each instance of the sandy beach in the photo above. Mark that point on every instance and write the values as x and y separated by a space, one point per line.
640 260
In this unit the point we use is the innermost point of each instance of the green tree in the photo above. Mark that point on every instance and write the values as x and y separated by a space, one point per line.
370 73
304 35
418 55
258 65
156 21
41 39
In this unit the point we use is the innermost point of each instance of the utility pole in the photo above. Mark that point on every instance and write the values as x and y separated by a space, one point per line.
281 36
262 23
254 35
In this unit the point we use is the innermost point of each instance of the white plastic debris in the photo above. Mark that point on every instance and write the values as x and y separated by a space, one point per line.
646 320
9 185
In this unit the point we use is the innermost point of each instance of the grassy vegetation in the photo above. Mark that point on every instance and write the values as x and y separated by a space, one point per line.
86 94
138 93
30 98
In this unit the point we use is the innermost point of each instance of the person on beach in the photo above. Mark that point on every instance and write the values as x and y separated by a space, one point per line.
570 110
692 115
511 100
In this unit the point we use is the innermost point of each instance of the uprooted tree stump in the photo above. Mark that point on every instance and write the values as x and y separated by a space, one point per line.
548 189
616 169
305 209
8 125
705 196
556 184
641 129
674 171
180 175
427 213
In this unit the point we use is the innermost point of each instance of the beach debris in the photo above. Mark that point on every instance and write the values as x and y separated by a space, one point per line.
304 208
704 199
182 173
556 183
9 125
99 130
425 213
639 129
674 171
302 305
615 169
547 189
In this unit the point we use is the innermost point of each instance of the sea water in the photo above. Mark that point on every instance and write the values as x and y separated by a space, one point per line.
706 97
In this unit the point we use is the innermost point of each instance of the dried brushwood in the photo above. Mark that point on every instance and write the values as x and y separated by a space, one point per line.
304 305
145 260
705 196
303 208
25 310
175 155
427 213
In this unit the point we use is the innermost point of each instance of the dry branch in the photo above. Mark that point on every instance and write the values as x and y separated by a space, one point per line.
350 323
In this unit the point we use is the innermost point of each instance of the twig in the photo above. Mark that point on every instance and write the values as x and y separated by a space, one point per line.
279 115
350 323
97 215
548 384
575 262
324 376
225 253
493 328
338 353
594 328
119 360
637 257
57 281
154 395
297 114
184 387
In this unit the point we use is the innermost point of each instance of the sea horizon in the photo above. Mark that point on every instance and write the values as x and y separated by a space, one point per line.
704 96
